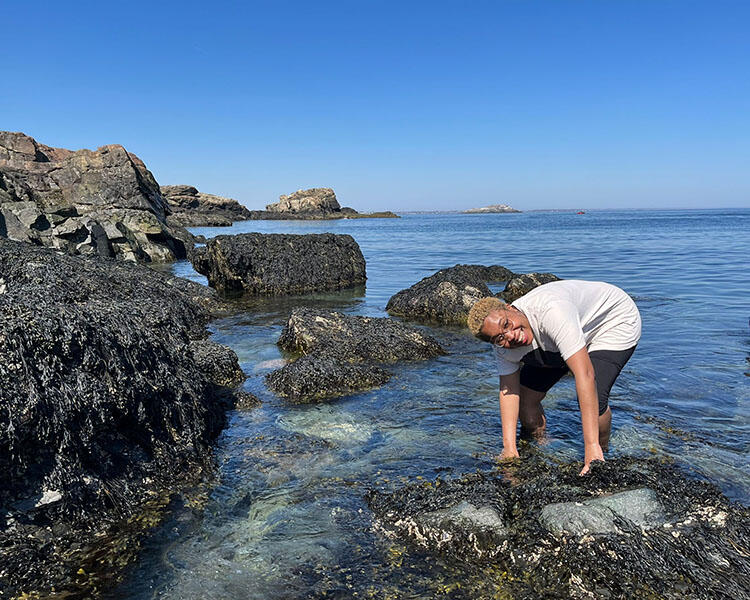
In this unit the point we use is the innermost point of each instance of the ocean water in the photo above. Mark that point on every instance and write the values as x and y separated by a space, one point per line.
287 518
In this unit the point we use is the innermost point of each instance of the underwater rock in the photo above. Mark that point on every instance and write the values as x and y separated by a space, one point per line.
109 396
523 284
448 295
341 353
639 507
277 264
665 535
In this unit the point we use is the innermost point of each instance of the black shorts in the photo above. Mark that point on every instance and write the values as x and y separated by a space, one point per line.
607 366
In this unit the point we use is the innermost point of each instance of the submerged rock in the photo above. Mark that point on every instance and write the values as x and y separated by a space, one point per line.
109 396
633 528
640 507
277 264
342 353
523 284
191 208
448 295
102 202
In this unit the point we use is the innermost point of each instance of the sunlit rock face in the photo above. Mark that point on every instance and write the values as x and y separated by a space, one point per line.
191 208
342 354
448 295
632 528
103 202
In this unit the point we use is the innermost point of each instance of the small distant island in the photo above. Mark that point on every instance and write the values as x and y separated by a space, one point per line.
492 208
314 204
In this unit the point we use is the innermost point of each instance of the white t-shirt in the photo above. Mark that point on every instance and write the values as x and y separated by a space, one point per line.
567 315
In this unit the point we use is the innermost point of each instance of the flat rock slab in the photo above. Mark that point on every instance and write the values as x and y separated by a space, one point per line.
278 264
448 295
640 507
343 353
635 528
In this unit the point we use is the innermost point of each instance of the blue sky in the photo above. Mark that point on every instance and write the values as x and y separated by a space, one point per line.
399 105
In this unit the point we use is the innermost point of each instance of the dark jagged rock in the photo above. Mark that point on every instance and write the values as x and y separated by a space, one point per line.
523 284
448 295
640 529
102 202
191 208
313 204
278 264
246 401
109 395
342 353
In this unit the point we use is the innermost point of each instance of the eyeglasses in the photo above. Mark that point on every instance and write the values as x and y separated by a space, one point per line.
499 337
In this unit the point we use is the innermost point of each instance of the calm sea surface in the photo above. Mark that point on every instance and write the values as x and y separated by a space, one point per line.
287 517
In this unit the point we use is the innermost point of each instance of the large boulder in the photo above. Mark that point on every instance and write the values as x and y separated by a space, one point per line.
277 264
520 285
342 354
448 295
110 394
191 208
632 528
102 202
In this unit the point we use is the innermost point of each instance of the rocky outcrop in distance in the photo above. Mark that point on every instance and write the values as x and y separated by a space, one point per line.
491 209
103 202
313 204
110 395
191 208
342 354
279 264
632 528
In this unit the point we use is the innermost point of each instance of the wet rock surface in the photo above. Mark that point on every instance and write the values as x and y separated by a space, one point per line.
110 396
191 208
523 284
277 264
313 204
448 295
103 202
633 528
343 354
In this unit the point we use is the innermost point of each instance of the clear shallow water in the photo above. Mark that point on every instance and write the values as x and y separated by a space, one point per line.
287 516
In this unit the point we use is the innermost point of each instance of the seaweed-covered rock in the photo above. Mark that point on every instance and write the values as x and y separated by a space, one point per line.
277 264
650 530
109 395
191 208
102 202
448 295
523 284
342 353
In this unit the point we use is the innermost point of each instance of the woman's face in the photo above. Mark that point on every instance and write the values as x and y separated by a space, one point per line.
507 328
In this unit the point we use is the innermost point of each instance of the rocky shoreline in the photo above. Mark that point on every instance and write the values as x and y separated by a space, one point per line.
111 396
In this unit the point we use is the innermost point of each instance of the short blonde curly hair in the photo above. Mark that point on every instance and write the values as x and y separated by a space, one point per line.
479 311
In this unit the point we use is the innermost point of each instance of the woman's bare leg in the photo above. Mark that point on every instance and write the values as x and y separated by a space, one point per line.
531 413
605 427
